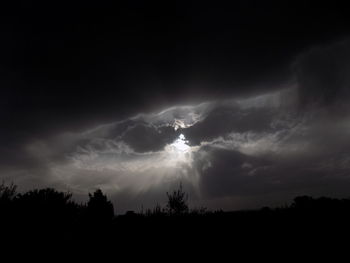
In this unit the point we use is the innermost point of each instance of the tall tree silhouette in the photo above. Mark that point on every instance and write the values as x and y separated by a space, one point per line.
99 207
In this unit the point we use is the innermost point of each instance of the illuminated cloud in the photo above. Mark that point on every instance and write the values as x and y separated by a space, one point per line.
218 150
242 112
259 146
149 149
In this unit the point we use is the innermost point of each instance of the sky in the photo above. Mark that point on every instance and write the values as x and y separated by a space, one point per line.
246 103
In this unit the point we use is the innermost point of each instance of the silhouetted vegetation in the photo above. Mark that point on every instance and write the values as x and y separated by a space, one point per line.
177 202
48 214
99 208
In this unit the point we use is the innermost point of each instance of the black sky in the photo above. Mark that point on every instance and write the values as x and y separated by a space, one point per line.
57 56
68 66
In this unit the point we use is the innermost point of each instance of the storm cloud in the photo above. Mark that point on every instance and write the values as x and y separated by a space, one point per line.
246 109
261 147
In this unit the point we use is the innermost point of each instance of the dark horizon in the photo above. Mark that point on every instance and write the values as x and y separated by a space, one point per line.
245 103
47 221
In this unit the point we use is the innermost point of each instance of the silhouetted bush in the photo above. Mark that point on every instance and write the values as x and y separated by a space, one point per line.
177 202
7 196
47 206
303 203
7 192
156 211
199 211
49 215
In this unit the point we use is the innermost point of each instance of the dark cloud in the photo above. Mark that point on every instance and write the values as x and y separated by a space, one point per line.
231 173
144 138
83 87
74 65
323 76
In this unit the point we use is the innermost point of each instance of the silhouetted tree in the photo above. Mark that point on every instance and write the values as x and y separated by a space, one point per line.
45 213
7 196
177 202
303 202
7 192
47 205
99 207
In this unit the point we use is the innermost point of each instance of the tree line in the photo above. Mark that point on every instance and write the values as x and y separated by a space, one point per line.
46 214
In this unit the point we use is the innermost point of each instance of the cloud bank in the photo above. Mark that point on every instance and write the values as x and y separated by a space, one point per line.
229 153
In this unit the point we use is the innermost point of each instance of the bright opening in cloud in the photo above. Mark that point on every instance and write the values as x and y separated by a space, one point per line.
179 151
181 144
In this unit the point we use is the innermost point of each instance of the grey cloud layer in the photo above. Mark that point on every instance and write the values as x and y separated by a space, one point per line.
268 147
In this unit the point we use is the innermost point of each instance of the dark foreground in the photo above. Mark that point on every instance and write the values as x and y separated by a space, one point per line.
46 220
